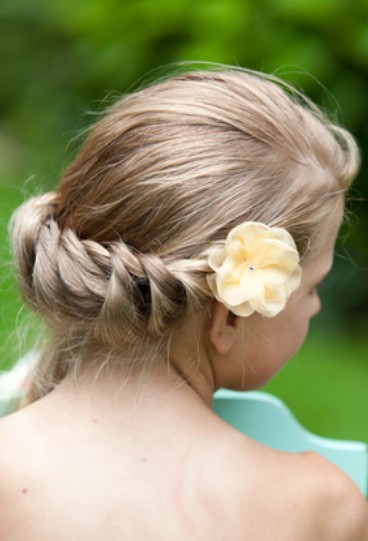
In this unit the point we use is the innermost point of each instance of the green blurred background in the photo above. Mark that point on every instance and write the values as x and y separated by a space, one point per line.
60 59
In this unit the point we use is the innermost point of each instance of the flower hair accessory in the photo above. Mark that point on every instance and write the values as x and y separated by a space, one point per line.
255 270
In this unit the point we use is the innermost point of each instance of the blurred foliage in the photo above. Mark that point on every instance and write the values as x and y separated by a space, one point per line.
325 387
60 59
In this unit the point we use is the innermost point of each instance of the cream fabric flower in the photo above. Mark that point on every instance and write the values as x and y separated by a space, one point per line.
255 270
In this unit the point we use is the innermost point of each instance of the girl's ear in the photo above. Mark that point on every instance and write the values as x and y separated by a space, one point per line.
224 327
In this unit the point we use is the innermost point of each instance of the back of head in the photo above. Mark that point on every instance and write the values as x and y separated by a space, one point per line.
115 257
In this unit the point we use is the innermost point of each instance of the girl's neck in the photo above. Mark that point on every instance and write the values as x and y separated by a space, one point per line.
112 388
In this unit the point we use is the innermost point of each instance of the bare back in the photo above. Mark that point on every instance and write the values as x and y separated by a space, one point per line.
67 471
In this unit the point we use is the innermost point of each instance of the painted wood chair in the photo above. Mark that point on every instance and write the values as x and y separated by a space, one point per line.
9 400
266 419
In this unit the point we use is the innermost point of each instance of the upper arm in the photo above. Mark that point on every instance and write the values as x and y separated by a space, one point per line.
338 504
299 497
347 512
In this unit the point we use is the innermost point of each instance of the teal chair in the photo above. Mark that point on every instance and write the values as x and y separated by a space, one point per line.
266 419
9 400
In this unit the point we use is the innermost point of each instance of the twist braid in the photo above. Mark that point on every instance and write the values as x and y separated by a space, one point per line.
119 315
167 294
70 274
146 296
123 292
25 227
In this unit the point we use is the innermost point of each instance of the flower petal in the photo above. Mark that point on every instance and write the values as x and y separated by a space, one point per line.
257 268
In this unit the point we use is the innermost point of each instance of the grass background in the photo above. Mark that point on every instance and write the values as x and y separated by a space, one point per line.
10 305
326 385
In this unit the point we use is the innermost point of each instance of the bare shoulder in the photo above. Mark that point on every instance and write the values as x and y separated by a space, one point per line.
336 501
296 497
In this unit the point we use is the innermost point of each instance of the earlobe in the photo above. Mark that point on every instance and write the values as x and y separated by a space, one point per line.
223 328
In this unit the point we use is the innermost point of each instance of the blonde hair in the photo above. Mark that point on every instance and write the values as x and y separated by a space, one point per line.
113 259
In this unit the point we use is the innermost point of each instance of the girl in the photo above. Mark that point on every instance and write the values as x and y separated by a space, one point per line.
180 253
